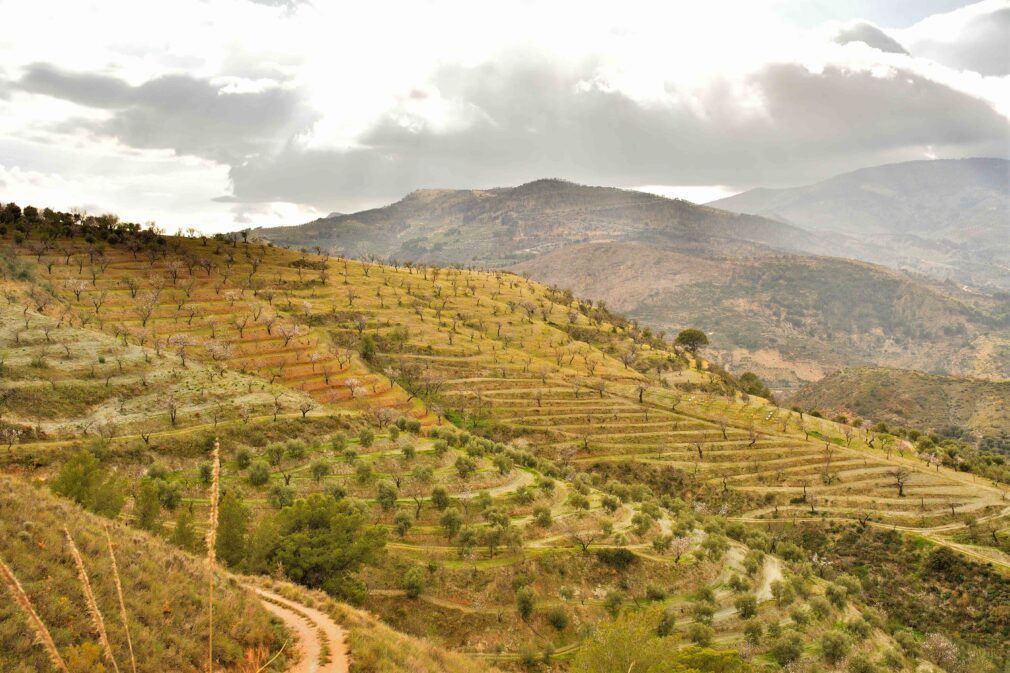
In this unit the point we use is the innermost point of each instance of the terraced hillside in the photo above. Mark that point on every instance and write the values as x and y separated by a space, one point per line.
927 401
536 465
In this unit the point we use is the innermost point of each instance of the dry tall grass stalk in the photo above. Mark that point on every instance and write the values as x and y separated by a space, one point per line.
22 599
122 603
89 595
212 552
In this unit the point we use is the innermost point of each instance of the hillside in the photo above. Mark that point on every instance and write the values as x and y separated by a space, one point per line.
507 471
164 591
498 227
945 218
916 399
792 319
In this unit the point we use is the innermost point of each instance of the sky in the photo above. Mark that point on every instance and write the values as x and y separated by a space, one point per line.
225 114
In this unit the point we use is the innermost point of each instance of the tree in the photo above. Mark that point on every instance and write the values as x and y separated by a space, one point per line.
184 535
525 602
232 527
900 476
440 498
413 582
612 602
465 467
630 644
746 605
319 469
322 542
83 480
259 473
386 495
451 522
834 646
403 523
692 340
147 506
787 648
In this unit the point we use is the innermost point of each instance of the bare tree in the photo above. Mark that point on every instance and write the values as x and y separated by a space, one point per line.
901 476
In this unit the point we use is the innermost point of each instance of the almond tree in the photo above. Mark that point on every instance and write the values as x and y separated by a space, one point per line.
901 476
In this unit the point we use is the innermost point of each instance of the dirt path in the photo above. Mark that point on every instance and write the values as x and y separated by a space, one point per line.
314 630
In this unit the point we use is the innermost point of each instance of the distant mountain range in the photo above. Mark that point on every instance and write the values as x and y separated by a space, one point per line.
949 219
500 227
776 297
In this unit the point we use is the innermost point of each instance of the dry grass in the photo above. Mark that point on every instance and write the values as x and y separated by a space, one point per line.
119 598
212 552
41 632
89 595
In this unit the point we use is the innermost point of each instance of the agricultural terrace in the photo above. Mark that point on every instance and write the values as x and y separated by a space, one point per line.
539 464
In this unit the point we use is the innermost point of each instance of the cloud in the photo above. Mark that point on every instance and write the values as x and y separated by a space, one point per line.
975 38
529 118
178 112
330 106
871 35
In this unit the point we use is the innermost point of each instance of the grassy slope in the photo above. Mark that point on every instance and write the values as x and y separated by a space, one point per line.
911 398
165 591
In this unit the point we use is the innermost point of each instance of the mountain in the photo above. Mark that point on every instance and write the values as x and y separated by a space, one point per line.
498 227
792 319
946 218
924 401
770 304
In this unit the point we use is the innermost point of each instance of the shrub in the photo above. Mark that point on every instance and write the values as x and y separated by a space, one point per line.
243 458
366 437
86 482
787 648
820 607
281 496
619 559
654 593
413 582
558 618
703 612
753 630
612 603
834 646
858 627
746 605
700 634
525 601
860 663
259 473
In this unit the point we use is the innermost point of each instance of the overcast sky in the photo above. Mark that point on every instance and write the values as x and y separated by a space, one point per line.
224 114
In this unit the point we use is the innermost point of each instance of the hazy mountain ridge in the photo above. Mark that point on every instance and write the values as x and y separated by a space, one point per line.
947 218
503 226
791 318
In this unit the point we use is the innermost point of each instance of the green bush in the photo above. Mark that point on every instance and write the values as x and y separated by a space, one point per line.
259 473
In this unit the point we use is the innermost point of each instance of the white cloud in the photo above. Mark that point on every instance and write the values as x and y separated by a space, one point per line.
290 107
